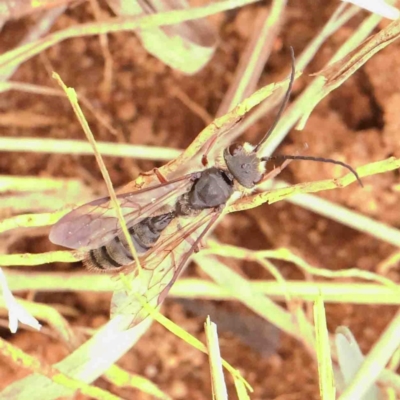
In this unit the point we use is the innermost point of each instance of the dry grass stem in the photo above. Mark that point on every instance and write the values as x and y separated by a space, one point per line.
342 15
335 74
194 107
108 61
344 216
81 147
275 195
33 183
29 88
296 109
216 371
220 127
333 292
28 259
322 345
286 255
29 220
254 56
188 338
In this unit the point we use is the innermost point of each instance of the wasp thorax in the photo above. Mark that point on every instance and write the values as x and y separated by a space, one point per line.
212 189
243 164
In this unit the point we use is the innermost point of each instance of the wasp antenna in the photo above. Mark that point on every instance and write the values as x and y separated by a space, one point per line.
318 159
284 102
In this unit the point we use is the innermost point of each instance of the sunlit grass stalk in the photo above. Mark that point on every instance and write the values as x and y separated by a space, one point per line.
72 97
325 371
216 371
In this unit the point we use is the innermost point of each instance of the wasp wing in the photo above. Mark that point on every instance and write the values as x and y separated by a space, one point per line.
161 268
94 224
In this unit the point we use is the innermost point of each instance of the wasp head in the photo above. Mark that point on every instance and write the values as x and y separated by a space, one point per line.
242 161
244 165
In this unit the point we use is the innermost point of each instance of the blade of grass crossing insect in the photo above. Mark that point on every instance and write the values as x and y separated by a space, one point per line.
214 355
73 98
222 125
325 371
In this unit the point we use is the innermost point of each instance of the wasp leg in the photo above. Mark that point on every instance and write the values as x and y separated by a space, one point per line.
160 176
204 157
157 173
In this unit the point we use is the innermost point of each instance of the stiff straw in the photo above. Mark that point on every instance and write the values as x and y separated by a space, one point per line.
72 97
254 56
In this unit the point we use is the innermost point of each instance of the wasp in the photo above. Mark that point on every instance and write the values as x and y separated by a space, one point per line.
166 222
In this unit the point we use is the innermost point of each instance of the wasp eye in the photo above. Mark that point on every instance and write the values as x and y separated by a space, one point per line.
235 148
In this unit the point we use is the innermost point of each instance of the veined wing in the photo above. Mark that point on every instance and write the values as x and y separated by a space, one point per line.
161 268
94 224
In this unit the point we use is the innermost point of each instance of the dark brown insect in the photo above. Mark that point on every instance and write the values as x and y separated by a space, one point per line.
166 223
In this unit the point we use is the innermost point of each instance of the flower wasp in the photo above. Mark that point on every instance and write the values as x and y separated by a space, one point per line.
166 222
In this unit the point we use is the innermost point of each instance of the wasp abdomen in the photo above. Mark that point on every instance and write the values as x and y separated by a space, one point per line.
116 253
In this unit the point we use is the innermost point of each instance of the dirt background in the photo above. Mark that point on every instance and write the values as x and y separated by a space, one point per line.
357 123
